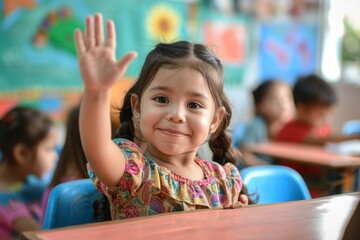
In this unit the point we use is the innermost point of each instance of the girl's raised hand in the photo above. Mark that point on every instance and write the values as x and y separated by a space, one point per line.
97 62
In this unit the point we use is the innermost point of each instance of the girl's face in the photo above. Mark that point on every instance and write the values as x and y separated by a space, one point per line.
176 112
45 154
278 104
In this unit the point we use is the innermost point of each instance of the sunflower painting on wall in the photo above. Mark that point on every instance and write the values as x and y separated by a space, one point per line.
166 23
163 23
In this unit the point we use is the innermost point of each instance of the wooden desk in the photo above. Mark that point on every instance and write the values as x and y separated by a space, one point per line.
305 154
335 164
321 218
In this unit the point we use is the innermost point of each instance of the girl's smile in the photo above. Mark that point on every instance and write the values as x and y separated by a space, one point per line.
172 132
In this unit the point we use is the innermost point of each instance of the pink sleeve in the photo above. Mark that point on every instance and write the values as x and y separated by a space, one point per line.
14 210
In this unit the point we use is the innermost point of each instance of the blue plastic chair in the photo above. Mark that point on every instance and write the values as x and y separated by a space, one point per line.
349 128
274 184
71 203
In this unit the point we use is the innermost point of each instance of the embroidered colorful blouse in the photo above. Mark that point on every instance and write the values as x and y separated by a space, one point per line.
147 188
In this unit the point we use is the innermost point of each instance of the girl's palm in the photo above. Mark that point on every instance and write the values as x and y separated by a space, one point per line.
98 66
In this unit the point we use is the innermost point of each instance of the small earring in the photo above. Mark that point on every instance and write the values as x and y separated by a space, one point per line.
211 131
136 119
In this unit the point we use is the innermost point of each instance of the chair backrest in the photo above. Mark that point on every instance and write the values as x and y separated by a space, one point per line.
70 203
273 183
351 127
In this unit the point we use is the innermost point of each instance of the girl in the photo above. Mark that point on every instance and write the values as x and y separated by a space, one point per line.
27 143
72 161
273 108
177 104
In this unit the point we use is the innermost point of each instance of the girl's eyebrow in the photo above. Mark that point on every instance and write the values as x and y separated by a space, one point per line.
193 93
159 87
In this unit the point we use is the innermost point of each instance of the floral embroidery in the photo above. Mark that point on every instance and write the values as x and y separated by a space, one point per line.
156 205
131 211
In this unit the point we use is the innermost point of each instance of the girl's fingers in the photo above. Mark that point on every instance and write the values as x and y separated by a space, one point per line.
124 62
79 42
99 30
244 199
89 32
110 35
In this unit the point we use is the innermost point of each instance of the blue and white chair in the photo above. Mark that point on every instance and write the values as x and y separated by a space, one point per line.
71 203
274 184
351 127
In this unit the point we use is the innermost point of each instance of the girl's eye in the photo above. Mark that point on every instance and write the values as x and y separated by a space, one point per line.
161 99
194 105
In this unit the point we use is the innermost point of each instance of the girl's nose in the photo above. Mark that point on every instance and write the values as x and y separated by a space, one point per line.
176 114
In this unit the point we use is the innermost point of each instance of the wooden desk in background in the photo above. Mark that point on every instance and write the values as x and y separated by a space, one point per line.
307 154
321 218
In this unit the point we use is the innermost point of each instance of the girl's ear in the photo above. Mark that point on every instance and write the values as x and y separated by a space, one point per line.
135 105
21 154
218 117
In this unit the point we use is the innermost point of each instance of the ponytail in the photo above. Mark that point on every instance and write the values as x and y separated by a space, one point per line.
126 129
220 141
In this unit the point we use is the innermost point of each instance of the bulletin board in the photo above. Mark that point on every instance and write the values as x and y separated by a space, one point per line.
287 50
229 36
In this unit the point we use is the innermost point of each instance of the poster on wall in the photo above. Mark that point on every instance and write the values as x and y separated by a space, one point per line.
228 35
287 50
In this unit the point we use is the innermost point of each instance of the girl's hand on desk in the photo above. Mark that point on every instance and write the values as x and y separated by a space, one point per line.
243 201
98 65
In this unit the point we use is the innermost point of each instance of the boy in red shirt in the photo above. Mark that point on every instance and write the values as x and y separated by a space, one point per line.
314 101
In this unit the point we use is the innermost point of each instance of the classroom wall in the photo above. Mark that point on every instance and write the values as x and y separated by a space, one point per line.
41 70
348 106
38 62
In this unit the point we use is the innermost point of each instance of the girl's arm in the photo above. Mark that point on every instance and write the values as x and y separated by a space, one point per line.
100 70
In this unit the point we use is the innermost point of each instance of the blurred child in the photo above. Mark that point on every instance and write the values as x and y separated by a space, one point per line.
27 142
274 107
177 103
72 161
314 101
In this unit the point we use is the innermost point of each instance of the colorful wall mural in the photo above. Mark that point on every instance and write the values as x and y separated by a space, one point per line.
38 64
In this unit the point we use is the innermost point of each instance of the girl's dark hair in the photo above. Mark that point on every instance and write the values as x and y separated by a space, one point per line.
24 125
180 55
313 90
101 208
72 151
